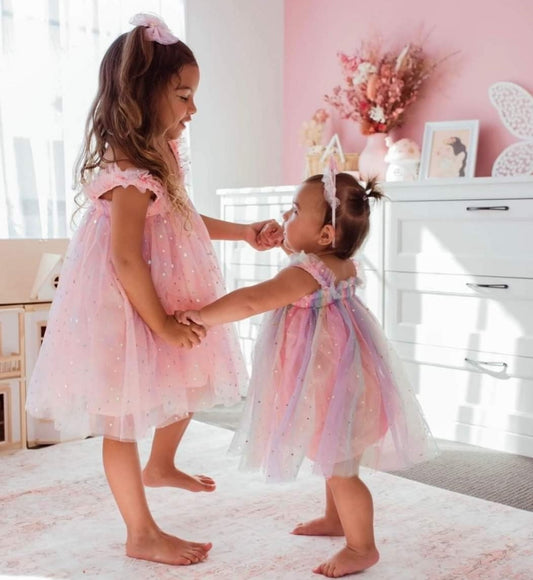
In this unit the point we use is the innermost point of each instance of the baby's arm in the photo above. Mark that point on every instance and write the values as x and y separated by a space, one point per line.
128 214
288 286
222 230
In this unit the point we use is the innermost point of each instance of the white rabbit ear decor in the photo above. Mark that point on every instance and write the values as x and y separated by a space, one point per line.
515 107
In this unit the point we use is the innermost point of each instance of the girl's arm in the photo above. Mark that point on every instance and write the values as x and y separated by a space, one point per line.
128 214
288 286
223 230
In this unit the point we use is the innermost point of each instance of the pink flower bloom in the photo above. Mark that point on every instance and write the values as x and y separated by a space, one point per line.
391 82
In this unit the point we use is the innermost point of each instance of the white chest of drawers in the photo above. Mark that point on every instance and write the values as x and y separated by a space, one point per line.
458 304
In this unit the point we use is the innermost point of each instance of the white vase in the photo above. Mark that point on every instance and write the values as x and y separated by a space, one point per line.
372 157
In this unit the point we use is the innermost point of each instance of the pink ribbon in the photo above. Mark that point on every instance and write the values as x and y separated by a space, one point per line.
155 28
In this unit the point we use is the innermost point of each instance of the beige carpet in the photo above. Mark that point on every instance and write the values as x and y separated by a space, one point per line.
59 521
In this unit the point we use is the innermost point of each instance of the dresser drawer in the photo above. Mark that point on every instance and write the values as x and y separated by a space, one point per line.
479 237
459 312
476 397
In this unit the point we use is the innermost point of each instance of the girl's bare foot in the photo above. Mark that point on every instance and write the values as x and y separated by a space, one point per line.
166 549
176 478
347 561
319 527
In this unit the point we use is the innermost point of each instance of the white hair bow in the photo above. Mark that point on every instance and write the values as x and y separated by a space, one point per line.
328 179
155 28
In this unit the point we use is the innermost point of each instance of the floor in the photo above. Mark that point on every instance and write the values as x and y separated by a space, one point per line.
59 521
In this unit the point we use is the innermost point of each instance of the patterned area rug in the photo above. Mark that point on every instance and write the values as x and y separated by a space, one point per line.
59 521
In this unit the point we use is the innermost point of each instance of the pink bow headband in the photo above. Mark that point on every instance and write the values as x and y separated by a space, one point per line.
155 28
330 191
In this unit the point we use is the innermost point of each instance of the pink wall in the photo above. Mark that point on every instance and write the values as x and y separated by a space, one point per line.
499 48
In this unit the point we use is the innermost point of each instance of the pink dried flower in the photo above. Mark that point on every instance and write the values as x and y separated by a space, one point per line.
378 86
321 116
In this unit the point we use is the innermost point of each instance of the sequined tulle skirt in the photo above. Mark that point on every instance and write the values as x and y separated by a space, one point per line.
101 370
327 386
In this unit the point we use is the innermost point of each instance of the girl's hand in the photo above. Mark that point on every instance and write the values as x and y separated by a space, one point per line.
190 316
264 235
182 335
271 235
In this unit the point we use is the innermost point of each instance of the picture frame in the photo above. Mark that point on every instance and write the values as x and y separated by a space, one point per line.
449 149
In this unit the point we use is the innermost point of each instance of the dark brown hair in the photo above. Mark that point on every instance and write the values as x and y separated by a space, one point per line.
133 73
352 216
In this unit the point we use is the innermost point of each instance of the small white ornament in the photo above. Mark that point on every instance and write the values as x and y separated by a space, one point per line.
515 107
403 158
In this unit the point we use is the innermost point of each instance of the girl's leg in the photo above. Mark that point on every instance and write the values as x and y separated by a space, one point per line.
356 512
144 538
160 470
328 525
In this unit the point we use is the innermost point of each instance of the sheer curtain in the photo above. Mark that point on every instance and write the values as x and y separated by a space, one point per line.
49 59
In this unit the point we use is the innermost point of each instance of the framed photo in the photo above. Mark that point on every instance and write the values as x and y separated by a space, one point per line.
449 149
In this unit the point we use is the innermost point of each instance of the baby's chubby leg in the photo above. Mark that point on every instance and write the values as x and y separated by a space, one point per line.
328 525
160 470
356 512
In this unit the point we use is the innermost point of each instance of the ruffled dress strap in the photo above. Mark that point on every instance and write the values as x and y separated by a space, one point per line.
112 176
314 266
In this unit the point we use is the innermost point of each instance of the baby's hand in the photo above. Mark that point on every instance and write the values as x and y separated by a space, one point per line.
190 317
256 237
182 335
270 235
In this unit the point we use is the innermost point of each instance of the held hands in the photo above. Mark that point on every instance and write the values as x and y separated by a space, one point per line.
264 235
190 317
182 335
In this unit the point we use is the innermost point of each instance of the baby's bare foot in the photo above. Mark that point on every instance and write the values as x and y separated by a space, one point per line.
319 527
347 561
176 478
166 549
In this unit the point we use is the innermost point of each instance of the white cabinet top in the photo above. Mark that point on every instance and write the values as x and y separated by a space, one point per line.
518 187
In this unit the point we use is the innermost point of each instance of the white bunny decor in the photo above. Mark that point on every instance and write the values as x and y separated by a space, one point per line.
515 107
403 158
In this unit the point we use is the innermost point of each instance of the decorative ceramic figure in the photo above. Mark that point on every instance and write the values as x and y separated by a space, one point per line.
403 158
515 107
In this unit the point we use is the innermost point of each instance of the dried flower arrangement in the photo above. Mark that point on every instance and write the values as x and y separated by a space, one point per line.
379 86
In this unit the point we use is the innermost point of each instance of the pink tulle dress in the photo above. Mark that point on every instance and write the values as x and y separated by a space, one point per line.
101 371
326 385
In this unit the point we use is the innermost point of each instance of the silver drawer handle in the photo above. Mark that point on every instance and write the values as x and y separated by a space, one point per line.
488 208
471 361
500 286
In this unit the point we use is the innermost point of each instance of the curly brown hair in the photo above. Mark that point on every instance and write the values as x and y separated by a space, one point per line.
352 216
124 116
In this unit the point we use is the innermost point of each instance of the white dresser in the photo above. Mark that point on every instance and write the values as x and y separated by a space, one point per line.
458 304
448 270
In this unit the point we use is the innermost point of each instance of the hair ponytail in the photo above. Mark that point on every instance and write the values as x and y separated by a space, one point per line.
370 189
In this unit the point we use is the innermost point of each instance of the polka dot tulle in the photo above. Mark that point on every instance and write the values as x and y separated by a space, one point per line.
101 371
326 385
